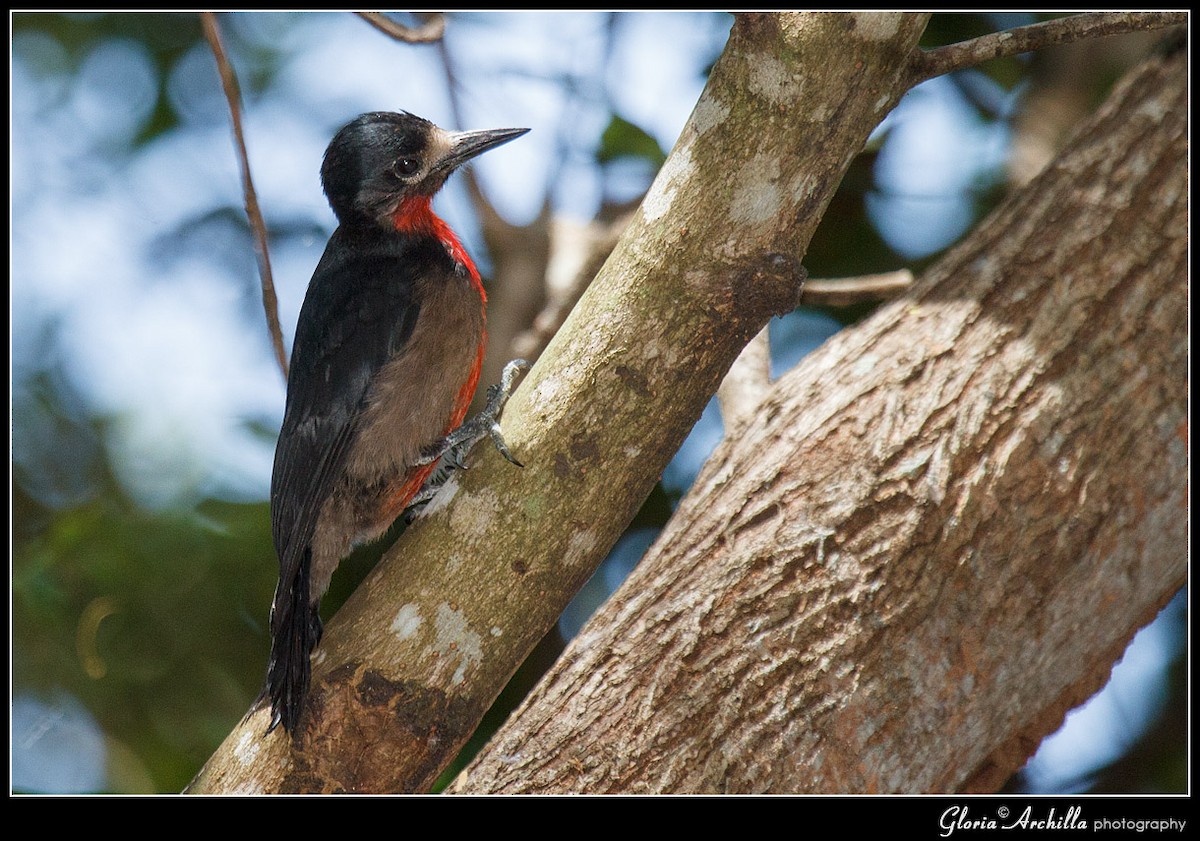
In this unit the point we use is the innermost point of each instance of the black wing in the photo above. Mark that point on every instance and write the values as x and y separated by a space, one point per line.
360 310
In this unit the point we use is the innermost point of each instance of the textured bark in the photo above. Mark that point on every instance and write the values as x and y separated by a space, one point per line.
416 655
939 532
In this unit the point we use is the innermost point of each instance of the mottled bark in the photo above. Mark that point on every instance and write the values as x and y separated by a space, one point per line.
938 533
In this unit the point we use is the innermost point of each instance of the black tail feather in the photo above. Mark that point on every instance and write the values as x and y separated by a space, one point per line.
295 632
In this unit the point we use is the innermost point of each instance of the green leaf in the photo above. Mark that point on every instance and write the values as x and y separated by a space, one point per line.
622 139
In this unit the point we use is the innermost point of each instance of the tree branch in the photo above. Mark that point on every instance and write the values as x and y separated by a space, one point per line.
937 62
230 85
428 32
846 291
577 252
747 383
940 533
413 659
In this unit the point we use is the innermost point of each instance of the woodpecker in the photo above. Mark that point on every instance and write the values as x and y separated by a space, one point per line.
385 363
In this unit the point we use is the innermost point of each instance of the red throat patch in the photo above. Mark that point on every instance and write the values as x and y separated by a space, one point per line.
415 215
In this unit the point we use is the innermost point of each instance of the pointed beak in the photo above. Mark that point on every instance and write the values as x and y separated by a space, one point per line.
465 145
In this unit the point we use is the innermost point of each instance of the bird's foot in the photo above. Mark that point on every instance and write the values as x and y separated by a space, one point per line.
451 451
454 447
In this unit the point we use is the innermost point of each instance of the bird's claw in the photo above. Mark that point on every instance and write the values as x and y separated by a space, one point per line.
454 447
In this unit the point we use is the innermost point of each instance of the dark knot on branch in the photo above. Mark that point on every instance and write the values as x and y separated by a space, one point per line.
766 285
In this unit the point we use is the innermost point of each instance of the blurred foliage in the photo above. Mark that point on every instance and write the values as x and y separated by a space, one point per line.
156 619
623 139
1155 762
167 36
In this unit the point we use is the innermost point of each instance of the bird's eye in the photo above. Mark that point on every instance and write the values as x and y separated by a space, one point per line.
406 167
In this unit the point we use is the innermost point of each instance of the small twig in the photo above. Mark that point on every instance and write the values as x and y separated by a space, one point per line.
747 383
843 292
230 84
426 33
1024 39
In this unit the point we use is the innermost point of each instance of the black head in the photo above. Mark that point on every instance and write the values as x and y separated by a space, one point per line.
380 158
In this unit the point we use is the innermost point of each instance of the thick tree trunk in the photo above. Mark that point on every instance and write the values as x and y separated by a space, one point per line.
938 533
